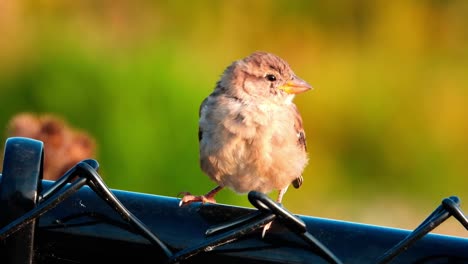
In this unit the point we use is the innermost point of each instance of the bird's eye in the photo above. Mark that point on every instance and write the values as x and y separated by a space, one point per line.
270 77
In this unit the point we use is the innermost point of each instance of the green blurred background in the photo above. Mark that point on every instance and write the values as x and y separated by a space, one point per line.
387 122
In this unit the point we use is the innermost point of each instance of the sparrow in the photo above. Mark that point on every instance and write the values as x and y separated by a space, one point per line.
251 135
64 145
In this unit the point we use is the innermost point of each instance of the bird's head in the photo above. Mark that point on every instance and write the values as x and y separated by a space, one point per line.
262 75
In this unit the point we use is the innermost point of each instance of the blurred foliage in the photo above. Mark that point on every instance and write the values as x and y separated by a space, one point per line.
387 123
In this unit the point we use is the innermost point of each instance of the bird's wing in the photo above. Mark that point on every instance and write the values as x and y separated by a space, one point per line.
200 132
301 140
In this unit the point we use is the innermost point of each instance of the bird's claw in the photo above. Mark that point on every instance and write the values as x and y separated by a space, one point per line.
189 198
266 228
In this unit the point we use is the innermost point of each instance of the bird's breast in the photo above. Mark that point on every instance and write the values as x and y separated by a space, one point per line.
253 149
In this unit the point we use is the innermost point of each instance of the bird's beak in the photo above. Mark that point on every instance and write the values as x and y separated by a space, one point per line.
295 86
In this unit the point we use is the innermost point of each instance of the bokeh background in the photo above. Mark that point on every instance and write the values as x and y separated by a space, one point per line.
387 122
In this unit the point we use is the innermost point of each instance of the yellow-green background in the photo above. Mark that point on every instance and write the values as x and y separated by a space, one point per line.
387 122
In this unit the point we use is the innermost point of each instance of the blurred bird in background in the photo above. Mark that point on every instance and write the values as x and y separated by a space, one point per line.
64 145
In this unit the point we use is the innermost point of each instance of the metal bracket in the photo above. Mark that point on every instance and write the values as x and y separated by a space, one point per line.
19 187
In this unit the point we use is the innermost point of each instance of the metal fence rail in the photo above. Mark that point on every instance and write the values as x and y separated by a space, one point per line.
78 219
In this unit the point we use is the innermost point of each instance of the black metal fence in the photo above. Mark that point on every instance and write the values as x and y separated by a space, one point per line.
78 219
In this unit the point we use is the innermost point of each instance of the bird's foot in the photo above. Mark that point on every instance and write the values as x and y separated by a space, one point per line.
189 198
266 228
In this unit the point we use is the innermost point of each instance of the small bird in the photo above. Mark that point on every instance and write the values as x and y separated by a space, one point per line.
64 145
251 135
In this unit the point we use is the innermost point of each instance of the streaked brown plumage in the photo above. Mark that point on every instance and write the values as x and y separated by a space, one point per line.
250 132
